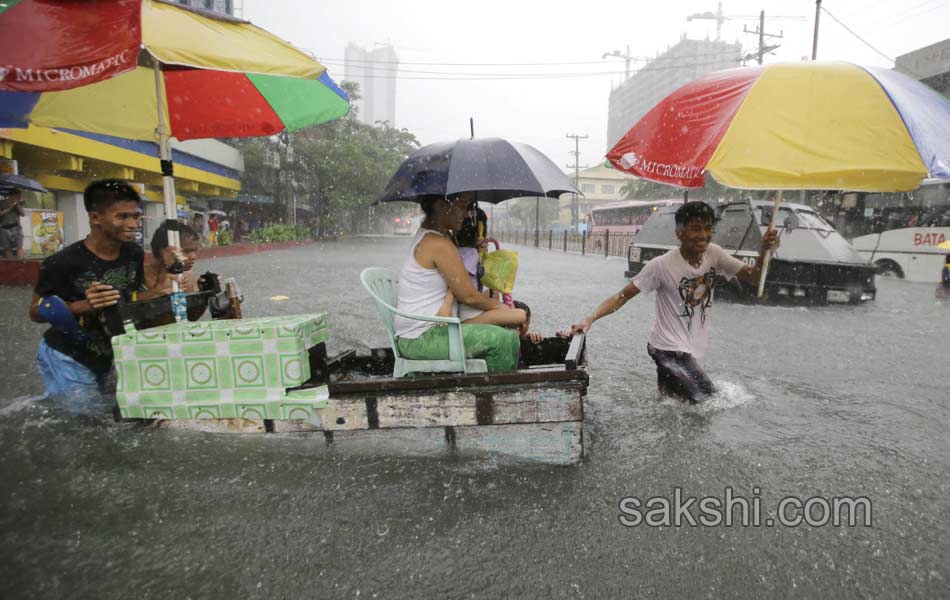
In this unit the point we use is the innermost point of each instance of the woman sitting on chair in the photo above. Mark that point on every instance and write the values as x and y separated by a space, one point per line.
434 268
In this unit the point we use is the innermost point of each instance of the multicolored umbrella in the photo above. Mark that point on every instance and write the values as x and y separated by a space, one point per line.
806 125
152 70
90 66
809 125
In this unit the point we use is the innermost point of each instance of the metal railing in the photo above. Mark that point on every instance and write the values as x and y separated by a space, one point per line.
602 243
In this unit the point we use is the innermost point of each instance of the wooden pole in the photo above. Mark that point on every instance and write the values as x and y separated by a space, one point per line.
768 253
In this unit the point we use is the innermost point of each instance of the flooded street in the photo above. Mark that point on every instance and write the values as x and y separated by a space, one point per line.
815 402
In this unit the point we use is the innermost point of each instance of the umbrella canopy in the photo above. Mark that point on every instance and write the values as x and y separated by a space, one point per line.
9 182
806 125
493 168
89 66
152 70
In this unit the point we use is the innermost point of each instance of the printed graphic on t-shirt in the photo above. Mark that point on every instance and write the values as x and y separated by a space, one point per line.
121 278
697 293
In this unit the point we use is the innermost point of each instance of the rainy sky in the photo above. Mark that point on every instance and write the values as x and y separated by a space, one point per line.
532 71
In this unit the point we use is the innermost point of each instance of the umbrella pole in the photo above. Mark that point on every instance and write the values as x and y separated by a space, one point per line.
165 155
179 302
768 253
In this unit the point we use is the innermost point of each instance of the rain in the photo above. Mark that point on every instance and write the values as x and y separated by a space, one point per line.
507 300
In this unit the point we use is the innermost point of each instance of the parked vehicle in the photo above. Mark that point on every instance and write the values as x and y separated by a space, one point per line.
899 233
625 217
814 265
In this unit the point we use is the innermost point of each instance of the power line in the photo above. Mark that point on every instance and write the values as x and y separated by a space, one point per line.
341 61
851 31
889 22
449 76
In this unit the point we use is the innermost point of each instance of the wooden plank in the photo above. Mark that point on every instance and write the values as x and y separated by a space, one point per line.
338 415
213 425
538 405
551 376
575 352
487 406
556 443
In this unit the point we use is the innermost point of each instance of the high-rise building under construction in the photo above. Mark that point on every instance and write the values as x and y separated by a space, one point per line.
682 63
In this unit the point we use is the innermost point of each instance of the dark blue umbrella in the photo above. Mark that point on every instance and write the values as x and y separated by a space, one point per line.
9 182
493 168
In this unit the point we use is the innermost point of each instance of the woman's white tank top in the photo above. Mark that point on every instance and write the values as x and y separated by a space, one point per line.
421 292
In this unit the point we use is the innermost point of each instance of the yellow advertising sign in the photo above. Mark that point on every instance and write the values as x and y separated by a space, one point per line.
46 231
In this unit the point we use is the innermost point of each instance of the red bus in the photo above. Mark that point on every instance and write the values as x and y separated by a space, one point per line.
625 217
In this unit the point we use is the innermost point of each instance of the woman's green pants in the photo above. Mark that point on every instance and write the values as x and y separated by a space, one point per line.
497 345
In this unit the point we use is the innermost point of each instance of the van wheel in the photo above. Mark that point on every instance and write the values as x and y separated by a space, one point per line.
889 268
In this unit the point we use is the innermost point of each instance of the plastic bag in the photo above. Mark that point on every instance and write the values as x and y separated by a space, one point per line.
501 268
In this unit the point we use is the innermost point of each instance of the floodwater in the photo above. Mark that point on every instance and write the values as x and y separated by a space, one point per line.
818 402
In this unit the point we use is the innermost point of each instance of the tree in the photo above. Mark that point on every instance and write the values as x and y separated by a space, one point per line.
521 212
644 189
339 167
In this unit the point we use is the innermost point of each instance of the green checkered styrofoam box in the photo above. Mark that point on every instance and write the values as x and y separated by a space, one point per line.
220 369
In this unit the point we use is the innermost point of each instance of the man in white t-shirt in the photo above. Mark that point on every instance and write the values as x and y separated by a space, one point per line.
684 280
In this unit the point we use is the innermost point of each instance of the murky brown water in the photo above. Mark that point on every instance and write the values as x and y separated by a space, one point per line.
817 402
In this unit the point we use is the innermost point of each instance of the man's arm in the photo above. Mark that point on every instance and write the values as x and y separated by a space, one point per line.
98 295
610 305
749 274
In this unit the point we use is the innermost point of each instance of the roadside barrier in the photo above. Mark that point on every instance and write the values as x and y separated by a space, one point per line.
601 243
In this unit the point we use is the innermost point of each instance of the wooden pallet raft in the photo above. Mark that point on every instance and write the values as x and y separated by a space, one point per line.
535 413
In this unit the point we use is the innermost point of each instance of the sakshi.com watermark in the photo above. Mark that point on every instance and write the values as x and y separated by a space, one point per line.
732 509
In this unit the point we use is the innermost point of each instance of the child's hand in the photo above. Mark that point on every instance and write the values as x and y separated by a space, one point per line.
448 305
534 337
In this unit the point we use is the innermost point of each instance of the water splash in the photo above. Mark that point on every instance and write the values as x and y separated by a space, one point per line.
729 395
19 404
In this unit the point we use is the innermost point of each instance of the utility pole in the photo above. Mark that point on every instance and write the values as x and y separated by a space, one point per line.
286 176
720 18
537 219
814 41
577 154
763 49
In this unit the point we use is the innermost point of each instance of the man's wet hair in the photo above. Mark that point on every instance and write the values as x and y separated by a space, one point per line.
524 307
102 194
160 237
694 211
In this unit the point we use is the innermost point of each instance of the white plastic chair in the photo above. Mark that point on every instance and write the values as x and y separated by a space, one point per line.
383 286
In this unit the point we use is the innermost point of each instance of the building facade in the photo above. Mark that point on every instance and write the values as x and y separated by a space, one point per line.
375 73
680 64
66 162
599 185
930 65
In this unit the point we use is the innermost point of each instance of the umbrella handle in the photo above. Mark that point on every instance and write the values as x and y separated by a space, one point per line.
768 253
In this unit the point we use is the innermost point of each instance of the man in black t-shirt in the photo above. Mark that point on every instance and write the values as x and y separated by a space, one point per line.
88 276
